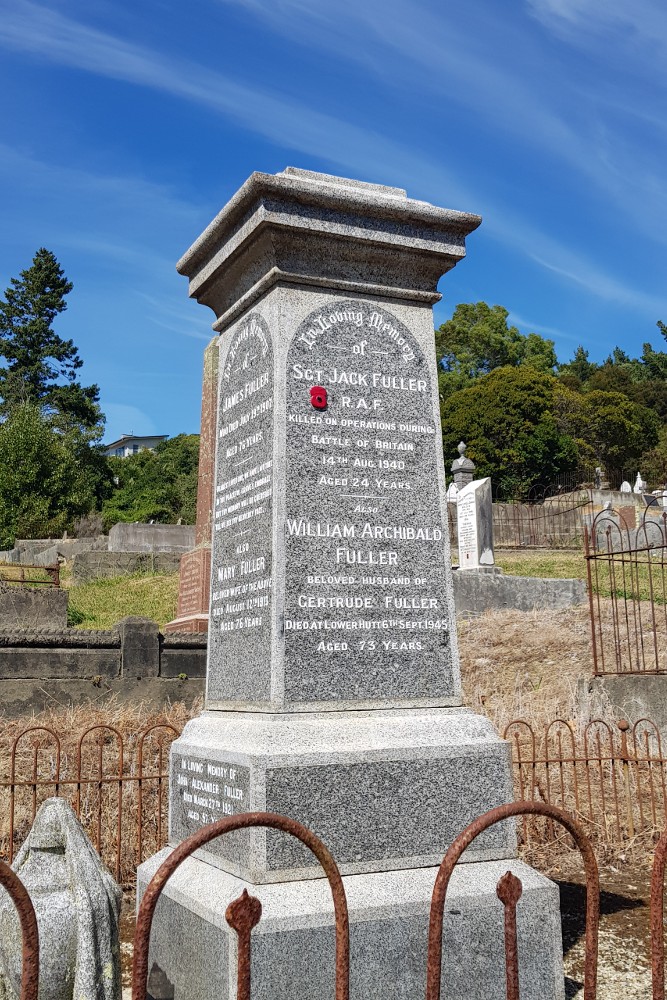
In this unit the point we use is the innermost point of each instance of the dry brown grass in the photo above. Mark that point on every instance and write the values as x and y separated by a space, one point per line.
88 771
517 664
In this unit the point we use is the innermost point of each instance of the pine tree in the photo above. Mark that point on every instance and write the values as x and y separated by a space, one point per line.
41 368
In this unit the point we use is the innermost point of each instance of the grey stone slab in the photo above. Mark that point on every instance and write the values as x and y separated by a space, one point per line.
366 605
151 537
474 513
23 607
477 591
293 945
98 565
242 572
383 790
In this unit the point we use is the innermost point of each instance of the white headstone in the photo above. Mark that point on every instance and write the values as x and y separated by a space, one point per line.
640 485
475 525
626 487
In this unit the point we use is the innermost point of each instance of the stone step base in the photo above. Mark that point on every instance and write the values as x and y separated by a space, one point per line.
193 950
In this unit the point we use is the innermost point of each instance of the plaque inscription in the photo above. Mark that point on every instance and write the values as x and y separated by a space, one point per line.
366 609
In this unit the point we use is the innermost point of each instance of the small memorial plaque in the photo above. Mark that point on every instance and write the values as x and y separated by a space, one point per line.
366 610
204 791
241 580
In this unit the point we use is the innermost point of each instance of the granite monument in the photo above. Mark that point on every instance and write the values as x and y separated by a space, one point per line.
333 686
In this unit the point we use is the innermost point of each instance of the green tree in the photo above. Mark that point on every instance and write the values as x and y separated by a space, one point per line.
616 429
477 339
40 366
44 485
158 485
507 420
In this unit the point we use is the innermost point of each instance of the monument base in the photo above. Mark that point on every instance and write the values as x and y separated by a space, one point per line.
384 790
194 949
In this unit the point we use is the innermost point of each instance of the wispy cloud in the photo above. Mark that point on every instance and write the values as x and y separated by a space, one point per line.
542 328
49 34
639 26
495 66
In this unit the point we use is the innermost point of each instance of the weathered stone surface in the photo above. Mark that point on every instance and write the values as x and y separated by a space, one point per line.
305 228
140 646
478 591
293 944
32 607
96 565
207 443
194 580
174 538
77 904
43 667
363 616
626 696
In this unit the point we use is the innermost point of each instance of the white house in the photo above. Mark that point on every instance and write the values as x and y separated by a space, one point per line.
130 444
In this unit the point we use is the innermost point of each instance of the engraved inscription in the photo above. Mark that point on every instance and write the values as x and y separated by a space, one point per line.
366 609
241 578
204 791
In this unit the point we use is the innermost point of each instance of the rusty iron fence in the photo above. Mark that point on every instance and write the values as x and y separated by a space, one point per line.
611 776
627 589
555 522
244 913
30 576
117 785
544 522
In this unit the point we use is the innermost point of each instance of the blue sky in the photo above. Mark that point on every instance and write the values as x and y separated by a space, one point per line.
127 126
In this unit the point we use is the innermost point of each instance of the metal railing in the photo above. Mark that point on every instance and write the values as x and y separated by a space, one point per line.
627 589
548 522
610 776
30 576
117 785
244 913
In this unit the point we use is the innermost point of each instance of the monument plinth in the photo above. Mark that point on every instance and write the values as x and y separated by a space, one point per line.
333 688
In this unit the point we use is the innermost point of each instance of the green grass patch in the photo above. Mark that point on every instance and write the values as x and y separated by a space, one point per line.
554 564
102 603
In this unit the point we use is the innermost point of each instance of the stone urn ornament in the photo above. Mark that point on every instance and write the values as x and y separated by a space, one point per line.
77 904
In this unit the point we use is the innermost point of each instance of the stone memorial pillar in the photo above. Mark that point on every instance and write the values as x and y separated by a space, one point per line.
333 687
463 468
194 578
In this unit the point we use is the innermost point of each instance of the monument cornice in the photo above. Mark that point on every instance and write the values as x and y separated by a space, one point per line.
371 239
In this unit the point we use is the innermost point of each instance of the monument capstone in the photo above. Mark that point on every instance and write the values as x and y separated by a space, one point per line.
333 684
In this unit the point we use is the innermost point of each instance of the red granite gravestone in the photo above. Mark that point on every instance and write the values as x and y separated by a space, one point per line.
194 582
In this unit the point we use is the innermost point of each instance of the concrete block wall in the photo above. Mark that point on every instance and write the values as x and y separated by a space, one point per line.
133 661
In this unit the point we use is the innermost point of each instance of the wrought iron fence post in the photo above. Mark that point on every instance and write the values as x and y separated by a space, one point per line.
623 725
